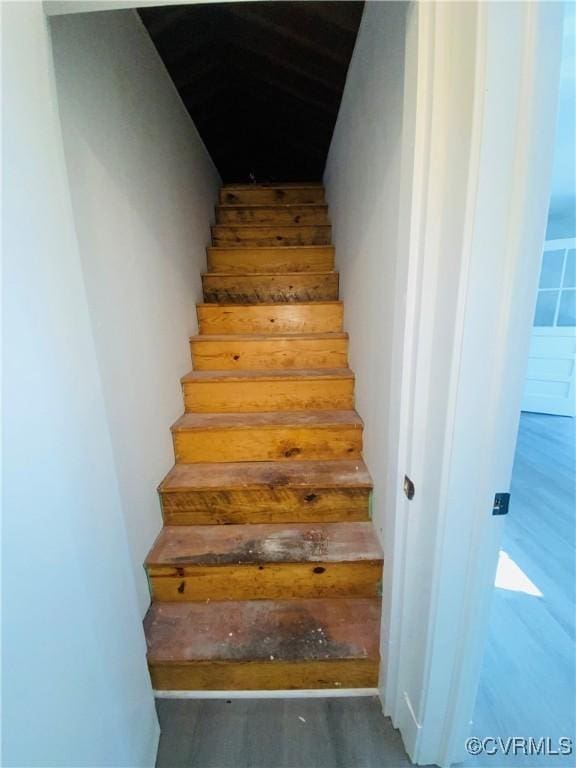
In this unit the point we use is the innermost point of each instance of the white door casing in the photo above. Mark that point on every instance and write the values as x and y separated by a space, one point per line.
478 188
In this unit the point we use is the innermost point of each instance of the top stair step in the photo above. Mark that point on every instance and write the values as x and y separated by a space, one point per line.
246 194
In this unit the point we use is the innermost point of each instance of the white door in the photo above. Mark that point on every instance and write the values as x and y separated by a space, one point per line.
551 372
476 195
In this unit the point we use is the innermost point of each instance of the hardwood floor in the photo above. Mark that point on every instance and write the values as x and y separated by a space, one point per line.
278 733
528 678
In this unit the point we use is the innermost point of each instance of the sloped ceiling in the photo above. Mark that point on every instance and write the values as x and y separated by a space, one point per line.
262 81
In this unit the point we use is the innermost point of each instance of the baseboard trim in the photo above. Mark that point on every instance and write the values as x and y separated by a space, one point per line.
312 693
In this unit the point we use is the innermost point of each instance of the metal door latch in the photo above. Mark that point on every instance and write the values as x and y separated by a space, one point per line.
408 487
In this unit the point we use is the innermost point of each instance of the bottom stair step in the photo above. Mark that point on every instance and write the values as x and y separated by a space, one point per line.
264 644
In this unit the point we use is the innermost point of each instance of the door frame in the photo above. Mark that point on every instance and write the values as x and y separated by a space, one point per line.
480 105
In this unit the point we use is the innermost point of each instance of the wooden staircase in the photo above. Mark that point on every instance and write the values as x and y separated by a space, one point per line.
267 573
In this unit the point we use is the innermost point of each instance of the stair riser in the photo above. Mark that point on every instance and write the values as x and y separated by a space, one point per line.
288 395
264 675
266 505
265 319
252 289
273 354
274 216
285 196
296 259
262 236
269 444
268 581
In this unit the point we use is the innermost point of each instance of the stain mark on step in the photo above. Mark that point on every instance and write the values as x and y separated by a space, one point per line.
292 635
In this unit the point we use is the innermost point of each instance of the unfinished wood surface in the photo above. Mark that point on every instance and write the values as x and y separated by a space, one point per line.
253 630
212 545
235 562
258 475
255 352
266 492
276 581
267 573
272 214
264 675
265 288
273 505
243 235
278 436
313 258
311 317
262 195
261 644
246 391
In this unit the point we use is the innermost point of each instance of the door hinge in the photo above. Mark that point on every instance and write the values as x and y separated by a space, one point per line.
501 504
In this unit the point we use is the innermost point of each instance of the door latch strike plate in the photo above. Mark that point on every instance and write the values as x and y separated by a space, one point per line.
501 504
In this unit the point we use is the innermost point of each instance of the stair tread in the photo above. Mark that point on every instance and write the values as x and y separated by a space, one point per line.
263 420
256 225
268 374
271 474
251 206
268 336
210 545
276 185
251 275
292 307
270 630
279 248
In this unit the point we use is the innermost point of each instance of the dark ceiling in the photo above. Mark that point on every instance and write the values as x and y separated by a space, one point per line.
262 81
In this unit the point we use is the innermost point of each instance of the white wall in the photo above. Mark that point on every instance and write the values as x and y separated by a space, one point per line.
368 158
362 181
562 212
143 189
75 686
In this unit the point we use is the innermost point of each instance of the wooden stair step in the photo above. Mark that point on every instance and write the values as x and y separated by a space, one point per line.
266 492
278 436
268 390
272 214
265 562
264 645
274 318
252 234
266 195
234 288
303 258
258 351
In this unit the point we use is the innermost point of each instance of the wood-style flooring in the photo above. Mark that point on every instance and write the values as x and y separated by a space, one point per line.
527 685
278 733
